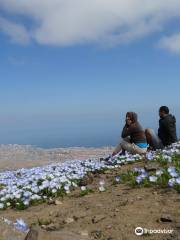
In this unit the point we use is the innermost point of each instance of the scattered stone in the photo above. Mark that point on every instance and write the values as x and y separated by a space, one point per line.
109 227
131 201
139 198
69 220
80 215
84 233
44 221
123 202
51 213
50 227
98 218
149 167
56 214
75 218
57 202
51 201
166 218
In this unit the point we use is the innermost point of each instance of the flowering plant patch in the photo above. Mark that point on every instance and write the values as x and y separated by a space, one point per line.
24 187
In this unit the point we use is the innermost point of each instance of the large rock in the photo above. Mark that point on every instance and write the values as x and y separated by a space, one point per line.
32 235
150 167
36 233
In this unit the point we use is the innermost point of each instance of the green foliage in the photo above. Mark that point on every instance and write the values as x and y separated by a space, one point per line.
86 192
163 162
176 162
177 188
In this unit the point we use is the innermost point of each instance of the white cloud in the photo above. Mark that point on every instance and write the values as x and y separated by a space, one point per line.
109 22
16 32
172 43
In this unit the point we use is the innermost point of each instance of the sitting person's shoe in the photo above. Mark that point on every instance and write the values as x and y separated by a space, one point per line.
106 158
122 153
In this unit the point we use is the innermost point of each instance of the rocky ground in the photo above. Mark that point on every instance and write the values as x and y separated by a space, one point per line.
110 215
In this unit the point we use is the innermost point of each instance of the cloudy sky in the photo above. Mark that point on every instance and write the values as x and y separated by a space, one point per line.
70 69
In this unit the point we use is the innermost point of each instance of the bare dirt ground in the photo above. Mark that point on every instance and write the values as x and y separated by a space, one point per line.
110 215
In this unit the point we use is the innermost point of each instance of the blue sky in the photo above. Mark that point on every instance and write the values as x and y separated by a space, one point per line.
73 89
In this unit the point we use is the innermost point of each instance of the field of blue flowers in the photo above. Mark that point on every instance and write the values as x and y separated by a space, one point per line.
25 187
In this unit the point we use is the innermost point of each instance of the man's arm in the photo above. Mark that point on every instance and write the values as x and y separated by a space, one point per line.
170 129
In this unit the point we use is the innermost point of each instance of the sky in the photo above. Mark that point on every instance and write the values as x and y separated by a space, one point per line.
71 69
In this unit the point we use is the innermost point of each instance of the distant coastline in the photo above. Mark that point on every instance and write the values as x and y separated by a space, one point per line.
14 156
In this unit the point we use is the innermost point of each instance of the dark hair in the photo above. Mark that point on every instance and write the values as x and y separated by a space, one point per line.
133 116
164 109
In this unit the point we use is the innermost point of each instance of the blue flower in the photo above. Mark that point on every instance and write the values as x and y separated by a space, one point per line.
21 225
178 180
139 179
144 175
171 182
117 179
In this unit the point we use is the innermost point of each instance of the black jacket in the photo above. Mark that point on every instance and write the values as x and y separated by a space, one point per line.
167 130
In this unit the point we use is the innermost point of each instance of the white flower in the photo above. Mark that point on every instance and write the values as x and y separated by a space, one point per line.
3 199
35 197
1 205
54 190
102 189
173 174
152 178
83 188
17 195
159 173
66 187
74 184
26 203
171 182
101 182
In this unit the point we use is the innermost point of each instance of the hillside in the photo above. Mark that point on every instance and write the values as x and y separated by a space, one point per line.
92 200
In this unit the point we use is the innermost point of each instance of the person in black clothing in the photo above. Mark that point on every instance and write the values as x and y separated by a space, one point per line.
167 127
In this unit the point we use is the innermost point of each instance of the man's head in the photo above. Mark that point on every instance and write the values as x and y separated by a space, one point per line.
163 111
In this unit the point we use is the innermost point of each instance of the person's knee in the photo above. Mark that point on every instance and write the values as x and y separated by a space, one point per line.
149 133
